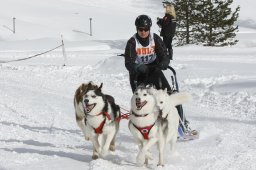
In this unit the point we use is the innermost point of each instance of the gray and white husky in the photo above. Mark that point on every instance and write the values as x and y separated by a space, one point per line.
95 115
145 125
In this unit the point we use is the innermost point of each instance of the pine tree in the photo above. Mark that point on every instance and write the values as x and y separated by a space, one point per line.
217 23
186 21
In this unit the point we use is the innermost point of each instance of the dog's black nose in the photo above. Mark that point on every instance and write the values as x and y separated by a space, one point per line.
86 101
137 99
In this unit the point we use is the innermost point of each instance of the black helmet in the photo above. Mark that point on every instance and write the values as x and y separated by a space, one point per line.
143 21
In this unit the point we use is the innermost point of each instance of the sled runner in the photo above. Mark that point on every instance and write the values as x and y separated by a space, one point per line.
185 132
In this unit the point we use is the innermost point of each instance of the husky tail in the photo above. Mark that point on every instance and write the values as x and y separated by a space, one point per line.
180 98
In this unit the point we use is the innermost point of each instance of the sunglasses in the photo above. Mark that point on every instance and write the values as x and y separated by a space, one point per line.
143 29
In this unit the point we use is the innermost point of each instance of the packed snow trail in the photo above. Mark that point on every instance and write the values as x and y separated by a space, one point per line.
39 128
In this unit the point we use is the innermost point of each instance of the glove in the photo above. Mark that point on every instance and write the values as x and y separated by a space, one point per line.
159 21
141 68
164 65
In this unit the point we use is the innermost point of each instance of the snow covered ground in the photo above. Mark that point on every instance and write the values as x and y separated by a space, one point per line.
37 122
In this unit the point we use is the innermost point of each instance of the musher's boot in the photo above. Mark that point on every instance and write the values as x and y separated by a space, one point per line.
186 133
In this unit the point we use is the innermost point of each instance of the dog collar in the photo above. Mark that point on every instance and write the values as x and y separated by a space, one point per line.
105 114
136 115
102 113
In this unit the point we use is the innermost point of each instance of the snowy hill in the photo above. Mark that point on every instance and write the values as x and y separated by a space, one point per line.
37 121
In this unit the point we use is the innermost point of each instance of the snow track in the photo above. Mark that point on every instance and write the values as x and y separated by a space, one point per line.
38 121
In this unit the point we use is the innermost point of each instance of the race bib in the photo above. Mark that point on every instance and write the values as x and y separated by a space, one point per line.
145 55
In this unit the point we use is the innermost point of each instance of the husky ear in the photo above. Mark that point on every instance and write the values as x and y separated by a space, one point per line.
160 83
89 85
148 86
165 90
82 87
101 86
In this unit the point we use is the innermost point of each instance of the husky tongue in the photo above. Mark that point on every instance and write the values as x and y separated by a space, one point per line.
140 104
88 108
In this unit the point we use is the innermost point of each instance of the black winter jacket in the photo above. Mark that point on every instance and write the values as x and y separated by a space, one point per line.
130 52
168 24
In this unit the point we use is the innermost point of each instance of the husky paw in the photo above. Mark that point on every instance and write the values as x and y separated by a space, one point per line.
160 164
141 158
112 147
94 157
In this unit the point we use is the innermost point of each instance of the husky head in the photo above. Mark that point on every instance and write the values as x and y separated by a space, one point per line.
162 101
142 101
167 102
94 101
82 89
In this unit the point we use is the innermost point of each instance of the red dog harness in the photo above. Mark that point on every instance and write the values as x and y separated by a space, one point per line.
98 130
144 130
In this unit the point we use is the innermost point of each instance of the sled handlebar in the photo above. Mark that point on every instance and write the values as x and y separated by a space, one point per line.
172 69
157 66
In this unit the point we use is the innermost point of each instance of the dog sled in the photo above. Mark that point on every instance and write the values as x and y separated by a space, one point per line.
185 132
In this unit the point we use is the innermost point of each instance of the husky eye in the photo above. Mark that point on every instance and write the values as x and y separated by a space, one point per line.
93 96
161 102
136 93
144 94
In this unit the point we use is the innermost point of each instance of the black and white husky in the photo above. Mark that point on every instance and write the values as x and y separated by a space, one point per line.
95 115
145 125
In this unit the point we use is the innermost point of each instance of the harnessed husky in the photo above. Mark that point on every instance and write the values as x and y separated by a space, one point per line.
95 115
145 125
